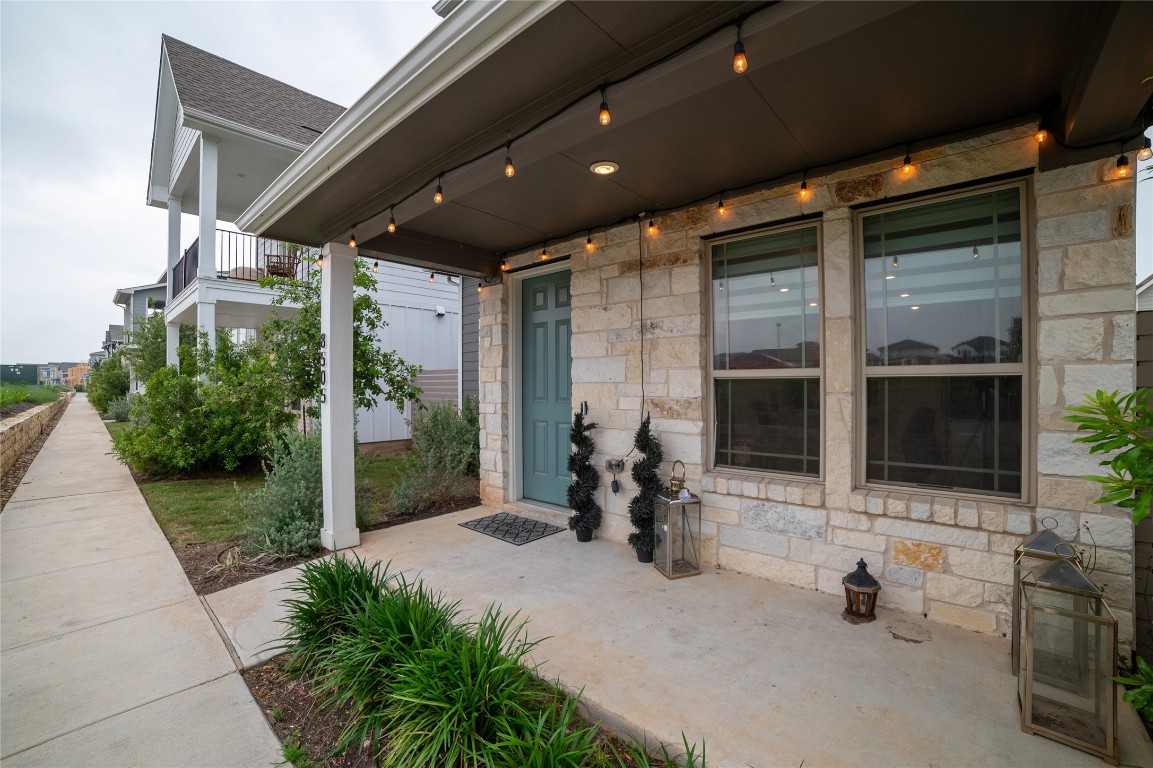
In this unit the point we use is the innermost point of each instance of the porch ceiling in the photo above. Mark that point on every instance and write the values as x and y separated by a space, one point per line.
828 84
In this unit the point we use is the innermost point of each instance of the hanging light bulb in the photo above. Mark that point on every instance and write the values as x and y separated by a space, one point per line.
589 246
352 237
438 197
976 253
896 263
509 168
544 253
740 61
375 266
604 116
391 220
432 277
320 260
1146 151
479 288
803 194
721 205
503 265
652 228
772 280
907 164
1122 165
1041 135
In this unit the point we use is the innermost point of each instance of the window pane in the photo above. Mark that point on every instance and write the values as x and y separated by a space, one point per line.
772 424
943 282
765 302
961 432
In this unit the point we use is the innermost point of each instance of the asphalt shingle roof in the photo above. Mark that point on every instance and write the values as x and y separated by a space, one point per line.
219 87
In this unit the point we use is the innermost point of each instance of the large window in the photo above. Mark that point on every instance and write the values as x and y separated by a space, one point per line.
943 344
766 352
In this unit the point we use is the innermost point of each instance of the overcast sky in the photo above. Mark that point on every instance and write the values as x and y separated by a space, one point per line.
77 99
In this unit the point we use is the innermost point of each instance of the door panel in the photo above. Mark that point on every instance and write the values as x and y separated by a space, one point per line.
546 365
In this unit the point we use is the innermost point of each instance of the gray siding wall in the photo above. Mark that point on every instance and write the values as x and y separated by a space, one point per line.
470 326
1145 349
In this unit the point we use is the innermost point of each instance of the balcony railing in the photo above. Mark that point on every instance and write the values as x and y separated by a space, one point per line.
246 257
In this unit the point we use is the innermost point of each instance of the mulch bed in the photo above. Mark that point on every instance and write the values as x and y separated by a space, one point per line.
13 477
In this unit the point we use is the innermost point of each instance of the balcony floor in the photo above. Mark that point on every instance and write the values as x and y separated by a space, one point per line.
765 674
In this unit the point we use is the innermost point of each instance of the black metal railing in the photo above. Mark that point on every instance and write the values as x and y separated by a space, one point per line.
240 256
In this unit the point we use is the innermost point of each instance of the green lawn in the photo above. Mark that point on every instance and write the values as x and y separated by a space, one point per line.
117 427
10 394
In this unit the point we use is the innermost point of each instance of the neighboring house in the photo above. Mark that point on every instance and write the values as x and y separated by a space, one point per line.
1145 332
53 374
95 358
780 212
138 303
77 375
113 340
221 134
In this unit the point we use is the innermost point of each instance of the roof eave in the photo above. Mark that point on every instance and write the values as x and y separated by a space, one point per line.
469 35
206 122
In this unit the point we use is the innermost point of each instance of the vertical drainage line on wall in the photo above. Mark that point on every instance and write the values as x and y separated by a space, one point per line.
641 287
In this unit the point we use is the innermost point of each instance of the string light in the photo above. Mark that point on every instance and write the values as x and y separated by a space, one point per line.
544 253
896 263
589 246
721 204
352 237
652 227
375 267
1122 165
907 163
772 280
1146 151
1041 135
391 220
432 277
479 288
604 115
320 260
803 194
509 168
438 197
976 253
740 61
504 265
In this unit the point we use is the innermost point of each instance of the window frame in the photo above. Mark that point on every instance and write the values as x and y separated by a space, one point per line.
711 374
1024 369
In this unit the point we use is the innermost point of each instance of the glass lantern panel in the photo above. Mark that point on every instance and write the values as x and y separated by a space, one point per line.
1070 675
681 542
661 512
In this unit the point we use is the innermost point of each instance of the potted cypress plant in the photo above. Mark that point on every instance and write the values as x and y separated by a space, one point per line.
641 507
586 512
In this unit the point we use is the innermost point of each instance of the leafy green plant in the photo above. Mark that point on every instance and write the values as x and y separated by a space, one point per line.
644 474
148 352
107 382
1121 425
443 466
120 408
1140 693
556 738
586 512
10 394
640 757
295 754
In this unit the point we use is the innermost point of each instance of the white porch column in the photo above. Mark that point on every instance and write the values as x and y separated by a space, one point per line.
336 409
173 244
209 150
173 338
206 321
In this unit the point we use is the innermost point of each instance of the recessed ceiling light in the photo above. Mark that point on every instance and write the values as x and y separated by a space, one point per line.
890 277
914 308
812 303
604 167
784 290
904 295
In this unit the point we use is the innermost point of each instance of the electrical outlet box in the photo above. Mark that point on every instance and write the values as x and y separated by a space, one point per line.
616 466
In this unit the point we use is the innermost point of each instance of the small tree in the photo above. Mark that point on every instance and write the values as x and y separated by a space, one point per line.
107 382
586 512
1122 424
295 341
644 474
148 352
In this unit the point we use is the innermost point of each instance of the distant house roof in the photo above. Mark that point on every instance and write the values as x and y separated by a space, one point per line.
210 84
910 345
982 345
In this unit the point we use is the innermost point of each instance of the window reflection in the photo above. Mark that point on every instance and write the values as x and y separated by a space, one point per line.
770 424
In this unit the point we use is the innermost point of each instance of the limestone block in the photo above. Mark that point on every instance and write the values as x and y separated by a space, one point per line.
901 598
795 493
685 383
1057 454
589 345
1070 339
945 511
857 501
932 533
985 566
673 306
841 558
1049 270
1075 200
875 503
1124 338
584 281
1108 531
1073 228
849 520
1047 388
1019 521
786 519
952 589
1073 493
999 597
674 353
720 515
918 555
1100 264
968 618
896 505
1123 225
754 541
772 568
837 264
1085 302
860 540
1004 543
967 513
838 354
1067 524
1071 177
814 495
602 317
829 581
1081 380
903 574
777 491
751 489
1113 561
921 508
685 279
671 327
992 516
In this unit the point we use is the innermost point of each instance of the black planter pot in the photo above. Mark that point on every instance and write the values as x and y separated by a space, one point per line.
584 534
644 555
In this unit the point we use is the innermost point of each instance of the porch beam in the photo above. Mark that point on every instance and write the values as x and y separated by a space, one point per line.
430 252
209 154
336 407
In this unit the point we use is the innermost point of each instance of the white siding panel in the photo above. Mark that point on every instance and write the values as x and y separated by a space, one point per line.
182 147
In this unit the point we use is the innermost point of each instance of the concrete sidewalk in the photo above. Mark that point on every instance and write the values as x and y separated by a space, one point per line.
107 656
766 674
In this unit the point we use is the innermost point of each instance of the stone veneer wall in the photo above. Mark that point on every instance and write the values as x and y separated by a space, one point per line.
946 556
18 432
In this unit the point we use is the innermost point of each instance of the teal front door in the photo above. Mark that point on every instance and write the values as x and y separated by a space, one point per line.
546 387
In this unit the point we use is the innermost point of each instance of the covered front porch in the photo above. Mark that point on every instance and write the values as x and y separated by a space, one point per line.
765 674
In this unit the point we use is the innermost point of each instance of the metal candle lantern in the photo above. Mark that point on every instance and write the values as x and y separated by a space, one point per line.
1070 643
1042 547
677 526
860 595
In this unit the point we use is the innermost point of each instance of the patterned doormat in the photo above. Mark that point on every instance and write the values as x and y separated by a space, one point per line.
512 528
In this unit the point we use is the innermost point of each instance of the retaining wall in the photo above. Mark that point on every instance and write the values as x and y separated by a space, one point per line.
19 431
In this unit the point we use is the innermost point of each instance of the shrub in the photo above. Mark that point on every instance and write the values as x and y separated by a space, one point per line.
107 382
1120 426
119 409
644 473
586 512
10 394
443 466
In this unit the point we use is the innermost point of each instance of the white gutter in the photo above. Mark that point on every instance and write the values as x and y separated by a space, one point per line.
470 34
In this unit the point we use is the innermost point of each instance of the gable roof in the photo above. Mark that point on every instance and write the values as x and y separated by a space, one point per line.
218 87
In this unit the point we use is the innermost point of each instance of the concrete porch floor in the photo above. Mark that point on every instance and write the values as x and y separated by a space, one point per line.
765 674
